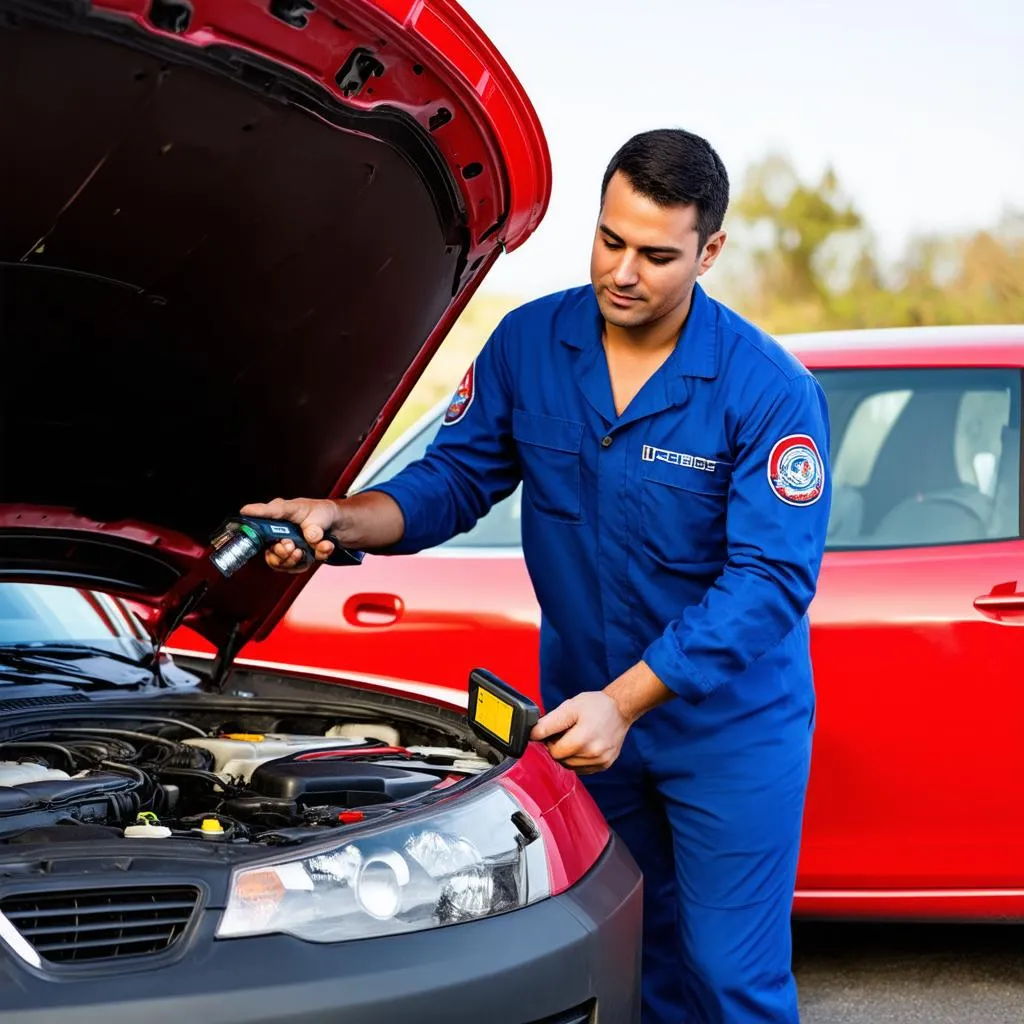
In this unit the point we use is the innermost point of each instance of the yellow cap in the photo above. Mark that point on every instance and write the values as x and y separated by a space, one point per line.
211 825
248 737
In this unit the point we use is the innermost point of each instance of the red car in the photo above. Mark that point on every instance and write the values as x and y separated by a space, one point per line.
232 232
915 807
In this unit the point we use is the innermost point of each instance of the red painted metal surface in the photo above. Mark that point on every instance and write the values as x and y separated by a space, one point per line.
575 833
433 53
457 614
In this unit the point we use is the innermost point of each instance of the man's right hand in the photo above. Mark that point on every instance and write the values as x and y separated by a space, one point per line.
371 520
316 517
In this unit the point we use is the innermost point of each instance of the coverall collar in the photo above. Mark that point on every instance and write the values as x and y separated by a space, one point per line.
696 355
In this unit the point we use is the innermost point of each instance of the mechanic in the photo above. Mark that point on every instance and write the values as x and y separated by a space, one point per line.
676 496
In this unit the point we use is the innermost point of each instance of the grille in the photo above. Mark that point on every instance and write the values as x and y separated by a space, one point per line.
101 924
21 703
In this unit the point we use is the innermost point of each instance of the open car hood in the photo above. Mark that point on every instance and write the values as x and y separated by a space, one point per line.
232 234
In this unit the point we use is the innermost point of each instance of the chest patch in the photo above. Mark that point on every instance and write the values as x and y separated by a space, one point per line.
687 461
795 470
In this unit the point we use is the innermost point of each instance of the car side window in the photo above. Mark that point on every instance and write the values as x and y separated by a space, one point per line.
923 457
500 528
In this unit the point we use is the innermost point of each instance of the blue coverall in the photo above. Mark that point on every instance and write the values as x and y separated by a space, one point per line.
687 532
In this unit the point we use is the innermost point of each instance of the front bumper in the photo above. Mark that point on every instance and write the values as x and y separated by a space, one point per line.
560 961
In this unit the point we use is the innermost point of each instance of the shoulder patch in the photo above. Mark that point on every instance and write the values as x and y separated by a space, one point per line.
796 471
462 399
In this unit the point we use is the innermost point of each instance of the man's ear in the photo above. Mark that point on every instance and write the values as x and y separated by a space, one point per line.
712 248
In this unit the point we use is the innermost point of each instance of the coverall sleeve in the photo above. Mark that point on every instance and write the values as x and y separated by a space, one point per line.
470 465
775 541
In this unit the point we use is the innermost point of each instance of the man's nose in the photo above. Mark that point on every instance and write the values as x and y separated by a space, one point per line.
625 274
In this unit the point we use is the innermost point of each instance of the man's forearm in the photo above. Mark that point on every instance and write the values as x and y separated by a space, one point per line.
638 690
368 521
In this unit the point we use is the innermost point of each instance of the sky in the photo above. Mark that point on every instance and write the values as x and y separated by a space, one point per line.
921 113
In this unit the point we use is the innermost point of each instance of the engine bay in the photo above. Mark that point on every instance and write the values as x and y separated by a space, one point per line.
135 777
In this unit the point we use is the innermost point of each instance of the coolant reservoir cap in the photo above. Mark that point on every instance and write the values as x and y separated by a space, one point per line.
213 826
146 830
245 737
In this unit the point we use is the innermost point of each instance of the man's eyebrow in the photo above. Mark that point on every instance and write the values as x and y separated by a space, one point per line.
659 250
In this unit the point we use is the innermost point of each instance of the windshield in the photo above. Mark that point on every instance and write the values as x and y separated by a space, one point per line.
65 636
33 613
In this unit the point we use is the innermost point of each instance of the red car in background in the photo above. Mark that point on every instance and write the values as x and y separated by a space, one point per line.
916 804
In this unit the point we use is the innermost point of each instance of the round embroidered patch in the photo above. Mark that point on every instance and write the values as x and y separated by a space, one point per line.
462 399
795 470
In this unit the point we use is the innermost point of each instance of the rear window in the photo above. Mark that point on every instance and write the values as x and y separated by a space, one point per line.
923 457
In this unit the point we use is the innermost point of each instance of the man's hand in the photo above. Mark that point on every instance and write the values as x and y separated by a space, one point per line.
363 522
316 517
586 732
592 729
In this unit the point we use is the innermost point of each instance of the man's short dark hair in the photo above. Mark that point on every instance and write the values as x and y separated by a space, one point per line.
672 167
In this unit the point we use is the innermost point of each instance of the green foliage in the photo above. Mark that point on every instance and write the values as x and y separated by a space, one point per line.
806 261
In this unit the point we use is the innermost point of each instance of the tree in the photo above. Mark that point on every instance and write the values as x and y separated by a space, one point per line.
795 225
807 261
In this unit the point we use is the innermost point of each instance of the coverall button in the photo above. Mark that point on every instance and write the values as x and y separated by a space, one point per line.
606 441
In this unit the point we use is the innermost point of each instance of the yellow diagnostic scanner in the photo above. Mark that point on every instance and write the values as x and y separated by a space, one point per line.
499 714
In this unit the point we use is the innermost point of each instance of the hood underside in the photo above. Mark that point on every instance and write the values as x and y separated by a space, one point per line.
213 276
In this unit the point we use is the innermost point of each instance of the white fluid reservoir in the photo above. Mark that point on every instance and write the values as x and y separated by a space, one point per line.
239 754
16 773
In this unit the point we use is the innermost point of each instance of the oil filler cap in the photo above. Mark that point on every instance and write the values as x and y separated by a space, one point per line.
500 714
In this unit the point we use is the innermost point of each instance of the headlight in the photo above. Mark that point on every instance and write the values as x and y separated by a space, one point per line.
459 864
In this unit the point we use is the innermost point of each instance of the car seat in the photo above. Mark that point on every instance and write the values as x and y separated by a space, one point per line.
916 458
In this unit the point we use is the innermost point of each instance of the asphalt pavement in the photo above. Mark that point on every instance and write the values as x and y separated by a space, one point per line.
909 974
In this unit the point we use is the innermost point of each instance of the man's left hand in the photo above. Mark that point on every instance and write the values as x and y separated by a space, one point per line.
592 730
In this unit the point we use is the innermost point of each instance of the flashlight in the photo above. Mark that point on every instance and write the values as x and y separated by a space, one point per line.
240 538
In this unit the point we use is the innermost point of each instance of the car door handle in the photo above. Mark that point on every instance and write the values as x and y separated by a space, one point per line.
1000 602
373 609
1003 600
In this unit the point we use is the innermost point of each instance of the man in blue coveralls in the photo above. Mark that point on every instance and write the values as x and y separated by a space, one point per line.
676 496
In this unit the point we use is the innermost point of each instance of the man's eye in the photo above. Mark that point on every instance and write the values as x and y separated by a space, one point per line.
660 261
608 244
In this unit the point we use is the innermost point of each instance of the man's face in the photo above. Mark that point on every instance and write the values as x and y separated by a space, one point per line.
645 258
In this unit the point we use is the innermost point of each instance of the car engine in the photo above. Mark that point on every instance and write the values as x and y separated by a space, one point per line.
169 779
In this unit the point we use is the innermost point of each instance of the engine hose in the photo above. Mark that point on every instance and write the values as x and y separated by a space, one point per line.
99 748
197 773
189 757
170 721
125 806
72 760
157 721
117 733
141 777
94 752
